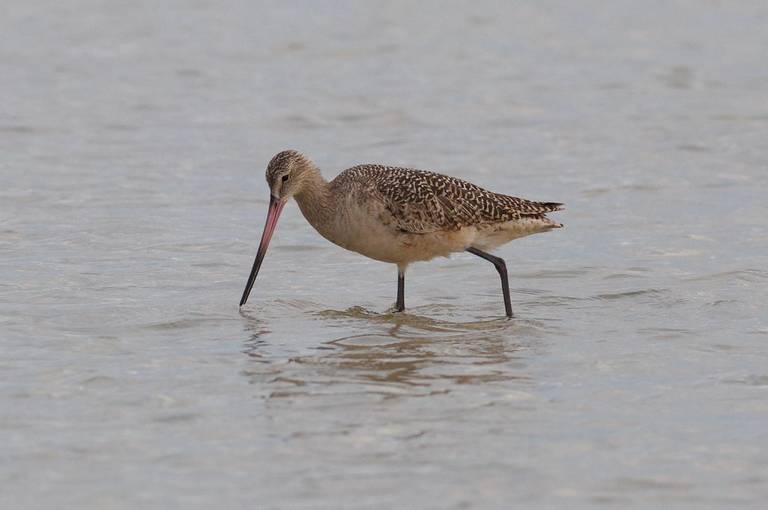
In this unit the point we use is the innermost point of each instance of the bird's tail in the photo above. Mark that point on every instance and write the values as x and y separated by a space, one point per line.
551 206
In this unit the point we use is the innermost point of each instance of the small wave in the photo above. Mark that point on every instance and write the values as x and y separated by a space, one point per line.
629 294
744 275
20 129
187 322
665 333
302 122
555 274
177 324
644 188
622 276
751 380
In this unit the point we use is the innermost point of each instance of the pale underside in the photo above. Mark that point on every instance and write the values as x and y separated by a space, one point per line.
401 216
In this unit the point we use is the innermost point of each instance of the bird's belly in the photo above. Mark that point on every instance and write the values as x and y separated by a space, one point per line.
370 236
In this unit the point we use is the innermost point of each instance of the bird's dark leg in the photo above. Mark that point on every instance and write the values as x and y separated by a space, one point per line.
501 267
400 305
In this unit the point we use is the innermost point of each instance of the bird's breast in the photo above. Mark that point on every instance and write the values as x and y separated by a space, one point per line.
365 228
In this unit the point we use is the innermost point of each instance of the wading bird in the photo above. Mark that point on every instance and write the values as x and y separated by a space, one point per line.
400 215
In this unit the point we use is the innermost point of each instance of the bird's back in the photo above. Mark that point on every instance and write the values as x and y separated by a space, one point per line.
423 202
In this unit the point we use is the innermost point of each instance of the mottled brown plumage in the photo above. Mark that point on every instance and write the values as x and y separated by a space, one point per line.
422 202
401 215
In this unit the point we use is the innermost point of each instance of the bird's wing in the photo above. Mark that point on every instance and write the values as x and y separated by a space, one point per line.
421 202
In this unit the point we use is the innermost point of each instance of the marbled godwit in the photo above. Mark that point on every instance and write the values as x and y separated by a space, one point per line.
400 215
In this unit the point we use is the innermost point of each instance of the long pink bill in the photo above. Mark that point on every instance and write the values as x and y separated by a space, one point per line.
275 207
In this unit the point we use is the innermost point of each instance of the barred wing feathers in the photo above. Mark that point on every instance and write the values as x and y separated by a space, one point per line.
421 202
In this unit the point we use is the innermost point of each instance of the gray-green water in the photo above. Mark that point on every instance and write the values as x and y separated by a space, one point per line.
133 142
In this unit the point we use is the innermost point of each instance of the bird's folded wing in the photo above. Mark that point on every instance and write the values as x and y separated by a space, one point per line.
422 202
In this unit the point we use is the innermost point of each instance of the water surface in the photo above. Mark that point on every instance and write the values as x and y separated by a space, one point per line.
133 142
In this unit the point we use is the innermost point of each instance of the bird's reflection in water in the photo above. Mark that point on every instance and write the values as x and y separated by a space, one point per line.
392 354
256 331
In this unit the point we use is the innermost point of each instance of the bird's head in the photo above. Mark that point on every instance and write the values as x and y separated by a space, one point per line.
287 173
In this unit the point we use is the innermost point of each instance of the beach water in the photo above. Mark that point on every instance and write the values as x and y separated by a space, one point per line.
133 142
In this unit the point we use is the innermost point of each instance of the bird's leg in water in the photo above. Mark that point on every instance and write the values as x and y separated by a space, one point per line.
501 267
400 305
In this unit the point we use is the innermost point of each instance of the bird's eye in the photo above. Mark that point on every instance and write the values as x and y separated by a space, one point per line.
285 177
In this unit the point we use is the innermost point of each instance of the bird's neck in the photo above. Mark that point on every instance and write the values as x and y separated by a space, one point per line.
314 199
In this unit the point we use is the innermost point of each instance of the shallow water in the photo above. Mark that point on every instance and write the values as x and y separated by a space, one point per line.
134 139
